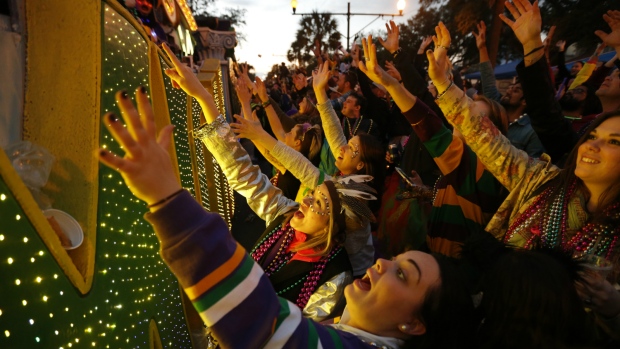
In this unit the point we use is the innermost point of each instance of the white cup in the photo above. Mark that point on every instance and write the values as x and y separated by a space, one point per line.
69 226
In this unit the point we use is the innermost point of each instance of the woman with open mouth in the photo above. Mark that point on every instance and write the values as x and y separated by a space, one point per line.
301 251
363 154
416 297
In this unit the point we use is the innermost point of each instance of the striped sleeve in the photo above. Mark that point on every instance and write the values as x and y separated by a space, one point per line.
229 290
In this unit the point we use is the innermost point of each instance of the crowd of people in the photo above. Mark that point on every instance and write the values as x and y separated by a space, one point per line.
404 209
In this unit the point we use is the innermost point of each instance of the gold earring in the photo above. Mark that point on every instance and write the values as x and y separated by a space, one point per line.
404 328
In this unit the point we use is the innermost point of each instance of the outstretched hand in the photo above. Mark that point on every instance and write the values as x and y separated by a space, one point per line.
393 33
146 167
355 54
527 23
242 72
424 44
438 59
321 76
613 38
481 35
243 93
371 67
261 90
244 128
390 68
184 78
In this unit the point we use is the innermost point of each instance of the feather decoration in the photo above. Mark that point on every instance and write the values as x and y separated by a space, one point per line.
357 194
356 186
355 178
356 209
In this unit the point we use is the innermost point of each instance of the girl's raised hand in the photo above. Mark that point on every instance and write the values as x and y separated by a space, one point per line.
146 166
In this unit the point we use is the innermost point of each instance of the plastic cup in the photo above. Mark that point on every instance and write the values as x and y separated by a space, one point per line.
69 226
597 264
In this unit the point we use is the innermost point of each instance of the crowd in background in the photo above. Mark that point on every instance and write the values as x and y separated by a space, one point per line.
406 206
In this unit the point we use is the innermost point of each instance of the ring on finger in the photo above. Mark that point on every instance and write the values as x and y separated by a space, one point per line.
443 47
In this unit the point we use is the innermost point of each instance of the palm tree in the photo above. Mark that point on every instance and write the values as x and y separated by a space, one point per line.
317 26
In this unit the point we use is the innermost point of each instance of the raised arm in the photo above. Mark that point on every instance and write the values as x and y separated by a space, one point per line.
503 160
444 147
331 126
183 77
243 177
553 130
285 156
487 75
272 116
219 277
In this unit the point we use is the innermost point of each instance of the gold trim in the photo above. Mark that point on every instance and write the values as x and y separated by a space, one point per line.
39 222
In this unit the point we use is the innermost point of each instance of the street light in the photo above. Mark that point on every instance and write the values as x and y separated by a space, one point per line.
400 6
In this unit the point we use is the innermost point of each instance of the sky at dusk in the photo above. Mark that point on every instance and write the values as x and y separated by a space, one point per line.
271 27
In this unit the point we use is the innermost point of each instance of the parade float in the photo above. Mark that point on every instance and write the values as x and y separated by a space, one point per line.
112 290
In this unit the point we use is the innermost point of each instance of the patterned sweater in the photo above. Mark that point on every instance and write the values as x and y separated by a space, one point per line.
467 194
229 290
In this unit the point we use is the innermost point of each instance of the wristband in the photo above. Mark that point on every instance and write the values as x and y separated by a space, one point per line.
534 50
166 198
444 92
397 52
266 104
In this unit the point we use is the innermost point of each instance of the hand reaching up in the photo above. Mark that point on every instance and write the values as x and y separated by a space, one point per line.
243 93
390 68
247 128
561 45
321 76
184 78
371 67
424 44
393 33
438 59
242 72
613 38
355 55
146 167
481 35
261 90
527 23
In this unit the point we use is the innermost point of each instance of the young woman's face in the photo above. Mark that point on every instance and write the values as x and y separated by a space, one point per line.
314 212
598 158
349 159
392 292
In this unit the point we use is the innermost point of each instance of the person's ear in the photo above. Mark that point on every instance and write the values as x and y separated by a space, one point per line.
360 165
523 102
297 143
414 328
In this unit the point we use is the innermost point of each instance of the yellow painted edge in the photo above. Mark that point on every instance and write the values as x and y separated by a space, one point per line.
39 222
159 99
154 338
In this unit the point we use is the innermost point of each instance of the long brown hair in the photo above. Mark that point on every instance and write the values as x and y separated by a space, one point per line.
372 154
567 177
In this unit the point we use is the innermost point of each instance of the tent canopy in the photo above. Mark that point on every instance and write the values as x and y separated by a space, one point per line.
509 70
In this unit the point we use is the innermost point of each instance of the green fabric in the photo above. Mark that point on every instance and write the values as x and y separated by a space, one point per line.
328 161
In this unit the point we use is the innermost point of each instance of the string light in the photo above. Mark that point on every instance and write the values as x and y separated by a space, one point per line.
42 296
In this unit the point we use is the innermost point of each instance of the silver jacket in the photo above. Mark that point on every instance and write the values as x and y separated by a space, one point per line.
266 201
